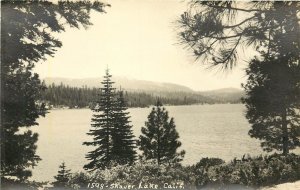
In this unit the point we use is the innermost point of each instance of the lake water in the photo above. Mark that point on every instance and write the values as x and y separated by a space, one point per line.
205 131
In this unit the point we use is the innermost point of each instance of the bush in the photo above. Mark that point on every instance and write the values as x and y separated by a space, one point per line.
256 172
208 173
142 173
203 170
13 184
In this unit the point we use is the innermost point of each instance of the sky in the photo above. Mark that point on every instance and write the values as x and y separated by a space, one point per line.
137 40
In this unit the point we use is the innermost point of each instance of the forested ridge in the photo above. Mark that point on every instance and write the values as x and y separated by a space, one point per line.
80 97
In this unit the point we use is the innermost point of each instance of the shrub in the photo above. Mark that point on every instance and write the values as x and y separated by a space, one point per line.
204 172
208 173
12 184
142 173
257 171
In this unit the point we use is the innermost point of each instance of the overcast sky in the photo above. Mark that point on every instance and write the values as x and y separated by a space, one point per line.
135 39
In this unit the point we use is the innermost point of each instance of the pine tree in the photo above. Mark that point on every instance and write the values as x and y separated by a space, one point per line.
62 177
102 124
215 31
159 139
123 139
273 103
20 85
273 90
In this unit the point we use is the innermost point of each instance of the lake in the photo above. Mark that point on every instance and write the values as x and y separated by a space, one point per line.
219 130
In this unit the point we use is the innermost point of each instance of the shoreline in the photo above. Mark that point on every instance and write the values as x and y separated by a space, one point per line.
169 105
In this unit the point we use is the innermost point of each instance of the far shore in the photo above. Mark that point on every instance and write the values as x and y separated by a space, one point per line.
78 108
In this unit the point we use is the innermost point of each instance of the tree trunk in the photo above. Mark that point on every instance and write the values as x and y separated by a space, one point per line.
158 144
158 150
285 137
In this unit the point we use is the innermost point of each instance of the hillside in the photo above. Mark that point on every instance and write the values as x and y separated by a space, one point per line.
139 93
125 83
232 95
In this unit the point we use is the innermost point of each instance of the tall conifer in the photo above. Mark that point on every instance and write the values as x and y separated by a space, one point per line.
21 87
123 138
111 130
102 127
273 103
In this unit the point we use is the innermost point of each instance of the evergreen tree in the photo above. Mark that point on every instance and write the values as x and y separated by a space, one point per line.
27 29
62 177
159 139
123 139
273 86
216 30
102 124
273 103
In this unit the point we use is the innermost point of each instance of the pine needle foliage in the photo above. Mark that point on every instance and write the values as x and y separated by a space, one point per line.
159 139
62 178
111 130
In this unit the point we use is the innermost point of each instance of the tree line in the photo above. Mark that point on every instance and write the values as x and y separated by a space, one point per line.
75 97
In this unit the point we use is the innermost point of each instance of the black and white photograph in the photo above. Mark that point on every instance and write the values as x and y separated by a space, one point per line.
150 94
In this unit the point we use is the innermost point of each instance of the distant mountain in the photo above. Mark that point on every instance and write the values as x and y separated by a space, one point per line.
232 95
125 83
223 90
168 90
